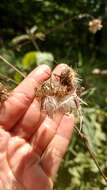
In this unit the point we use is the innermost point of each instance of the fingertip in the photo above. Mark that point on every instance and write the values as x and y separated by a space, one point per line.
33 80
45 68
66 126
60 68
70 117
42 71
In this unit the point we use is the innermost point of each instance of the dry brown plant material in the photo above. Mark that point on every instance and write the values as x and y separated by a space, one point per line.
3 93
60 92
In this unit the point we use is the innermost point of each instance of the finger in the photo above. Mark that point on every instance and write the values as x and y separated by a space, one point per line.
29 122
22 96
59 69
45 133
55 151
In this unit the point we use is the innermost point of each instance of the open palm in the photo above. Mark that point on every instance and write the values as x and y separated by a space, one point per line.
31 144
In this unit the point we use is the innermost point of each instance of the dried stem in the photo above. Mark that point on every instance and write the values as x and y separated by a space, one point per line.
92 154
7 78
12 66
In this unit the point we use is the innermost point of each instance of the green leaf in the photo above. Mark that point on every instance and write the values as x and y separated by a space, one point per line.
17 77
37 58
29 59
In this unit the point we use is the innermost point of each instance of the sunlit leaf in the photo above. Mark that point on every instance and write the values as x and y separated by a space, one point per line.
36 58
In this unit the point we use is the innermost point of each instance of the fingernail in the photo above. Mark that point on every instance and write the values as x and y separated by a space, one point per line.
43 69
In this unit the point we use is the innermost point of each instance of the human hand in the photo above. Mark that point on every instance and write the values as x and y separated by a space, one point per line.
32 145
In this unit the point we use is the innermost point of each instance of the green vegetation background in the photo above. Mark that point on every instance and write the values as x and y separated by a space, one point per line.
61 33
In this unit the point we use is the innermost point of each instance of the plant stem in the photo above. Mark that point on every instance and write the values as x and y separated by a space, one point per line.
92 154
7 78
12 66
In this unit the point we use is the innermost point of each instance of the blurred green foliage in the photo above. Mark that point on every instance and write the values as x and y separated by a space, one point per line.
61 33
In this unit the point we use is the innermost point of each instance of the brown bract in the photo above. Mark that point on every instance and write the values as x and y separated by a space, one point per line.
58 85
59 92
3 93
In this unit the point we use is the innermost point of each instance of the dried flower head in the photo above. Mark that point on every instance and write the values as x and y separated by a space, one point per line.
3 93
59 92
95 25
